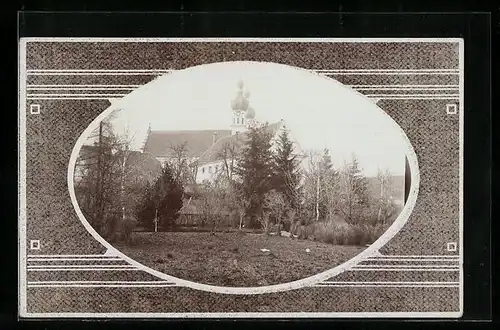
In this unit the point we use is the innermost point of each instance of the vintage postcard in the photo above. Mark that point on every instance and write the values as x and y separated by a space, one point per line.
230 178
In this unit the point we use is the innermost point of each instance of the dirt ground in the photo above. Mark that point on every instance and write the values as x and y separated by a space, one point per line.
234 259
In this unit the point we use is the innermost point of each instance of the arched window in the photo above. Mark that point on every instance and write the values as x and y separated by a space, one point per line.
202 170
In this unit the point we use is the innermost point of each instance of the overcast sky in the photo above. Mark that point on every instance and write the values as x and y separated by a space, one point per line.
320 111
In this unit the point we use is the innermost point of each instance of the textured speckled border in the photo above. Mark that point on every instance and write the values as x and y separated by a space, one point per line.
372 249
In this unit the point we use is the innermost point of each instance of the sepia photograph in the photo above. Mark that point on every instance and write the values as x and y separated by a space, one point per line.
242 174
240 177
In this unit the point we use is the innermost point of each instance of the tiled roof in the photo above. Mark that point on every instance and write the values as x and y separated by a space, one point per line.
159 143
213 153
141 165
143 160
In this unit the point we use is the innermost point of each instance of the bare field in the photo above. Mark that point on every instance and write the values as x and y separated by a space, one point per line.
235 259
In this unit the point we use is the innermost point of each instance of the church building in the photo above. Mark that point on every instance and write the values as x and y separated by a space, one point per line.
207 150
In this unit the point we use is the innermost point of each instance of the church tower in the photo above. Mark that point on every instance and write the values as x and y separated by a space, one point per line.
250 118
239 106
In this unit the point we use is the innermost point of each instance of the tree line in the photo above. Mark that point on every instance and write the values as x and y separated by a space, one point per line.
262 186
265 185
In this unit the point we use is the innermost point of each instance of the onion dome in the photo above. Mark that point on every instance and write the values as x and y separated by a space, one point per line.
250 113
240 102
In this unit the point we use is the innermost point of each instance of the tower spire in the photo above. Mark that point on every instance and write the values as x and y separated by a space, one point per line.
239 107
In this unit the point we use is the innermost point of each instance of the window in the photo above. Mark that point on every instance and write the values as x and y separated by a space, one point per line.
216 168
237 120
242 120
202 170
210 169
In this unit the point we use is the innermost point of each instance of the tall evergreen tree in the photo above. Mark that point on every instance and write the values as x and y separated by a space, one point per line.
255 170
360 183
162 199
168 198
326 184
355 190
326 162
146 210
286 170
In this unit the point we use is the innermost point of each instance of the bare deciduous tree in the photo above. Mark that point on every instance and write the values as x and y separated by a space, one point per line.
214 203
180 164
237 202
229 155
353 189
277 206
312 183
385 208
331 195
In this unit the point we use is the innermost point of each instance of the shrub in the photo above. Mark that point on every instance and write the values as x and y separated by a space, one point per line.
128 226
234 219
325 232
357 235
264 221
330 232
112 227
309 230
374 232
339 233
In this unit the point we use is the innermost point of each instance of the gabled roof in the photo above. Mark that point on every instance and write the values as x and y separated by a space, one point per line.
238 140
159 143
146 161
214 152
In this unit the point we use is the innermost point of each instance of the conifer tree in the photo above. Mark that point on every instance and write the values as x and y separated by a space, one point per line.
255 170
286 170
355 191
168 197
162 200
146 210
326 184
326 161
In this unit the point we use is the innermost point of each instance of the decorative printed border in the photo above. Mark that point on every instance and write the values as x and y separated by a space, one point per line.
370 254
